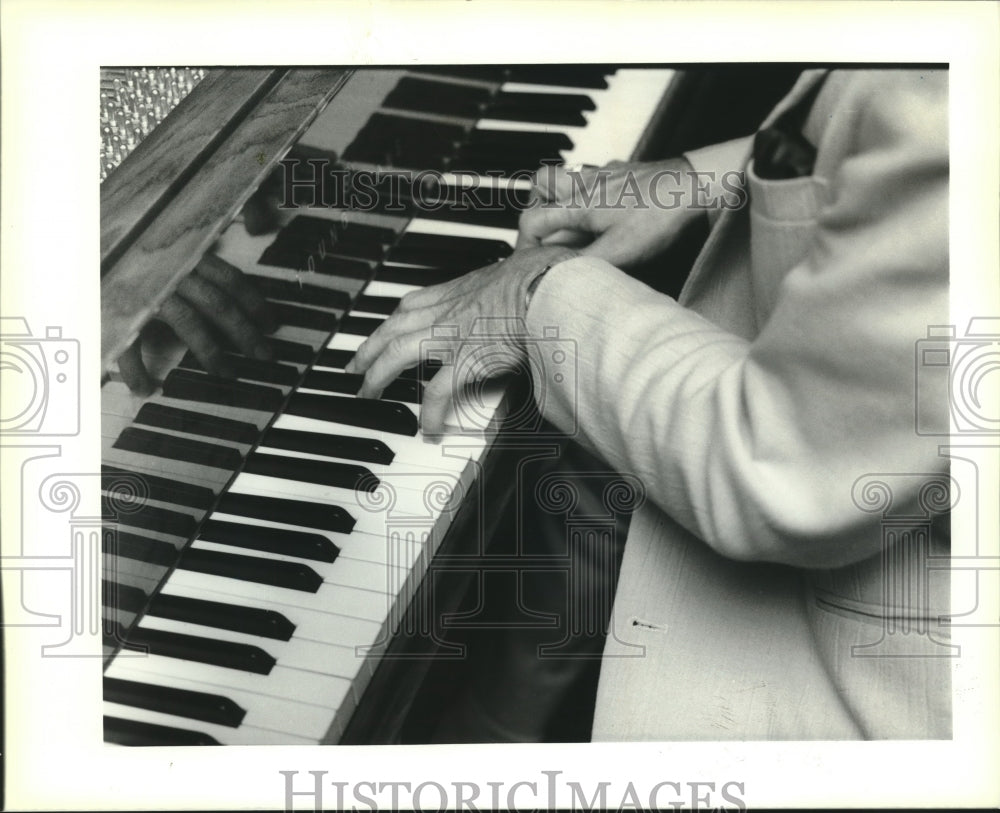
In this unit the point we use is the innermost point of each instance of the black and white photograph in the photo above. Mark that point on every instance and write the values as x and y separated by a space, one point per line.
583 427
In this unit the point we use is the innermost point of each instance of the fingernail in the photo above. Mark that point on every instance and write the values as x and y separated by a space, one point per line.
349 367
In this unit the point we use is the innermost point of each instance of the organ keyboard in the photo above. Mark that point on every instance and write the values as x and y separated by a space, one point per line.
268 532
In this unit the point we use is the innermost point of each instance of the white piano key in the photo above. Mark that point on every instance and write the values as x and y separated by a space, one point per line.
625 109
284 682
310 624
345 341
297 716
208 476
572 131
368 520
330 598
376 548
385 578
474 410
457 229
613 130
413 448
326 659
382 470
118 399
224 735
465 180
414 408
262 711
526 87
367 315
395 290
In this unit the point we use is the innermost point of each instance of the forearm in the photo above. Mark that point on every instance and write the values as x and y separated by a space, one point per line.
754 447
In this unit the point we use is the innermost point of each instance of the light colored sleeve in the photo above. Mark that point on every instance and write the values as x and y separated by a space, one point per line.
755 446
712 164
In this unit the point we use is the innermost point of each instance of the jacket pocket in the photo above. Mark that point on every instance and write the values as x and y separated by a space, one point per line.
783 218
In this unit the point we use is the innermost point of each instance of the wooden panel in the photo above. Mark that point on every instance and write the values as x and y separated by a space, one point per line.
150 268
166 158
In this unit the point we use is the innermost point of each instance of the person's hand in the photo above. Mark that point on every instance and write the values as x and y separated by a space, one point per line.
214 302
625 213
495 293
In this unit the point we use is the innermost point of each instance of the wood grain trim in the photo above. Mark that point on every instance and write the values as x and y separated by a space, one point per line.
134 287
164 161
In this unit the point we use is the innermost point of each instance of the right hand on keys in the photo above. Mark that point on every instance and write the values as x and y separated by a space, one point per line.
213 299
625 213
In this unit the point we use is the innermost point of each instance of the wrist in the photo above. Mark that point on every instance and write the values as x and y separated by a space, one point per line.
534 279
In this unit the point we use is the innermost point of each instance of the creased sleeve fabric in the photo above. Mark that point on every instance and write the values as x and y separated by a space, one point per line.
753 444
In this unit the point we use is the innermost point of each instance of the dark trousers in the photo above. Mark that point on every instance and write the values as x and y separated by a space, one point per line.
541 616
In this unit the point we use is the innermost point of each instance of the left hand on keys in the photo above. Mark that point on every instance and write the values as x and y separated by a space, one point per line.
495 293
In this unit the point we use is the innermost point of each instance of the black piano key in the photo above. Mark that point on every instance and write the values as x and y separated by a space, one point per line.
485 162
518 141
302 292
422 276
247 620
123 597
286 313
488 203
159 488
366 450
502 217
174 447
328 381
424 371
228 654
309 229
130 732
209 708
294 352
429 96
311 261
569 76
268 372
196 423
305 235
256 569
446 246
359 325
301 544
153 518
306 470
334 358
368 413
337 266
377 304
526 101
566 118
187 385
407 390
292 512
143 549
397 141
482 73
337 359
